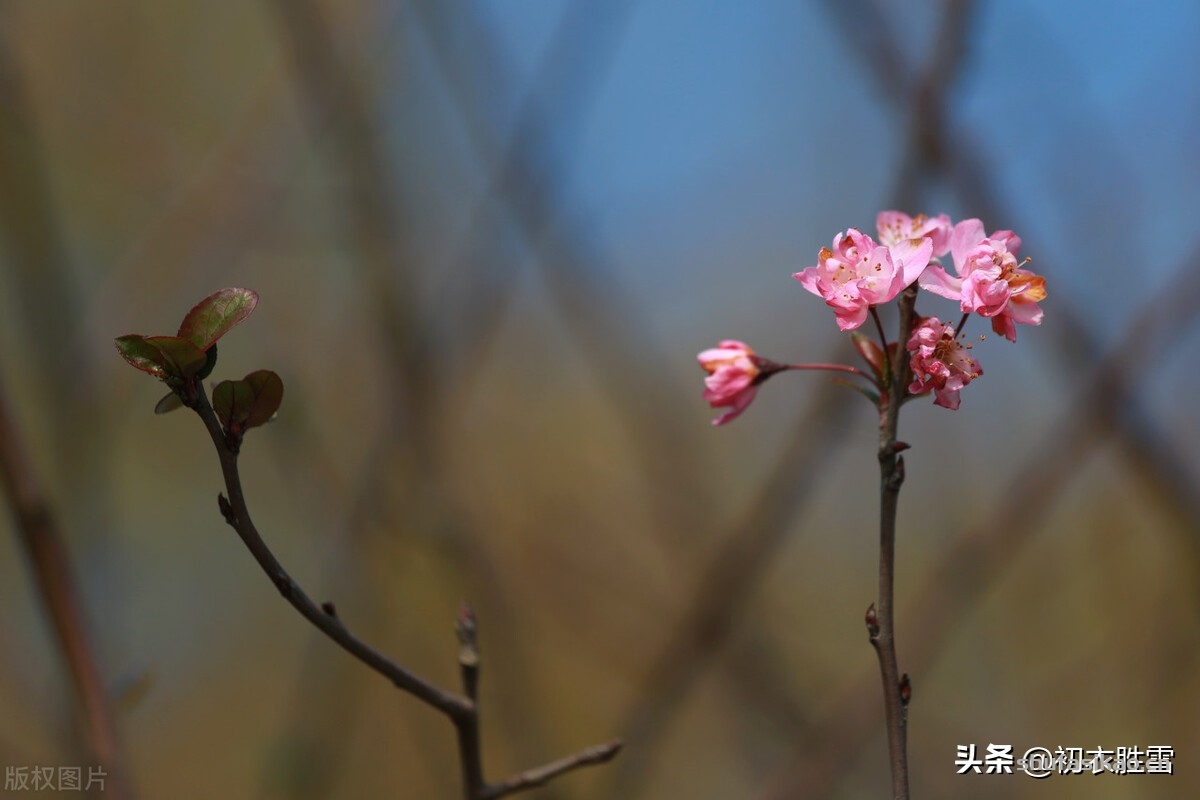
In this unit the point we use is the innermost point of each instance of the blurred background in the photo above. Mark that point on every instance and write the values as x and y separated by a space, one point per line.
489 239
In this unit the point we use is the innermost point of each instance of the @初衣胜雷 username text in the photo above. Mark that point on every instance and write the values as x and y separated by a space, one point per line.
1042 762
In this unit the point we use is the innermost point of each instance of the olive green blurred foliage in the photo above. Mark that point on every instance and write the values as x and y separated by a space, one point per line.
473 410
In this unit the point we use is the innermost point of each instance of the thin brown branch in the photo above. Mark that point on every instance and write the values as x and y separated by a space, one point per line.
469 748
44 546
539 776
237 515
881 617
461 710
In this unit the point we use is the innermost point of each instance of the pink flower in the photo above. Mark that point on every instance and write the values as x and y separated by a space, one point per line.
940 362
895 227
733 377
857 273
990 281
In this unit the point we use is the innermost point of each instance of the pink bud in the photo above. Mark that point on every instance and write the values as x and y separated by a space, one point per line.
733 377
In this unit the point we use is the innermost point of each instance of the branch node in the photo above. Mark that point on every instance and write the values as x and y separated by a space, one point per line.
329 609
467 629
226 509
872 620
895 477
905 690
468 651
286 586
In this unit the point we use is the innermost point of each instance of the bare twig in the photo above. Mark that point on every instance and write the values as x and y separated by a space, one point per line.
43 544
235 512
470 751
461 710
532 778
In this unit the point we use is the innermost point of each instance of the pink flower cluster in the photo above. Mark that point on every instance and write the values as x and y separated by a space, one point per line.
939 362
857 273
989 282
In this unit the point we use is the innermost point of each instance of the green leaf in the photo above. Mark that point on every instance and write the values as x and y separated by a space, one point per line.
268 395
141 354
180 357
215 315
161 356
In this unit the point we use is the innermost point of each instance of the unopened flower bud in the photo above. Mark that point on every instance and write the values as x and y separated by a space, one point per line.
872 620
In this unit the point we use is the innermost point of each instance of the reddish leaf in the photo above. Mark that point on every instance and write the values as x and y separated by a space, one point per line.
216 314
870 352
248 403
268 394
232 401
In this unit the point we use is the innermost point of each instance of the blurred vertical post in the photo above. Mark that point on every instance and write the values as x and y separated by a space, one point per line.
39 259
43 544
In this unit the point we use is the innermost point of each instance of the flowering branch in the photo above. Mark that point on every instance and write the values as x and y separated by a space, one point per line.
854 276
